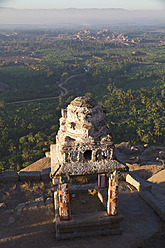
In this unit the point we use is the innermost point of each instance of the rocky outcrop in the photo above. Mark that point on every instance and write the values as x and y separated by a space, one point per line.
141 154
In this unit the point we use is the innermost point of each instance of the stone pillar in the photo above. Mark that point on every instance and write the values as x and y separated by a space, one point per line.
112 203
102 181
64 206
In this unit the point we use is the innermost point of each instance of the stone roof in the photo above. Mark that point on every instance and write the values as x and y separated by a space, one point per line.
83 101
82 169
39 165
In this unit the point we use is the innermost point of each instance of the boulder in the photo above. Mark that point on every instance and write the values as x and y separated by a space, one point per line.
148 151
124 147
134 150
132 160
145 159
30 175
9 176
118 156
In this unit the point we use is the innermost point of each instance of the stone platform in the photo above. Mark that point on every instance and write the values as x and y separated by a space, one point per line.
86 224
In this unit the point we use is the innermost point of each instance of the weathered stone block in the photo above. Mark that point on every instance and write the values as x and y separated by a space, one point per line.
9 176
81 234
45 174
138 183
30 175
86 228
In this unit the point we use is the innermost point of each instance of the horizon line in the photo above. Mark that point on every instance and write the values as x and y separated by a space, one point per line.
69 8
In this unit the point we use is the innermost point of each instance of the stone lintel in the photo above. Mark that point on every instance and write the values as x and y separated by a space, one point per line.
82 169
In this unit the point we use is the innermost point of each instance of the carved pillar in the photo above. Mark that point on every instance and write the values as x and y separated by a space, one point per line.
102 181
64 206
113 193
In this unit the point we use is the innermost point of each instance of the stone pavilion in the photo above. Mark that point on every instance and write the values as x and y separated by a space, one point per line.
83 147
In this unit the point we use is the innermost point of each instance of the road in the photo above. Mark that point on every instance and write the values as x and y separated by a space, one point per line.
60 85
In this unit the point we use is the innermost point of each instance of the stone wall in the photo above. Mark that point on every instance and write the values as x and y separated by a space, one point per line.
11 176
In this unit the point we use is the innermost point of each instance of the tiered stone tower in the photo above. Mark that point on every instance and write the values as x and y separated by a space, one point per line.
83 142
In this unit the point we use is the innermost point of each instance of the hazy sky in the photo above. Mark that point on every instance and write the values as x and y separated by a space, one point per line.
48 4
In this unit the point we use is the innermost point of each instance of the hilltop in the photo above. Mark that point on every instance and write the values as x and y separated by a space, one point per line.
27 218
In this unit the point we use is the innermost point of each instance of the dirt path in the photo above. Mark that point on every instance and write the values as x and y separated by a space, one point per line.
60 85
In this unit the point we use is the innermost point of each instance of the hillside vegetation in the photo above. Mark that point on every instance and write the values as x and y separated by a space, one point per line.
126 74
